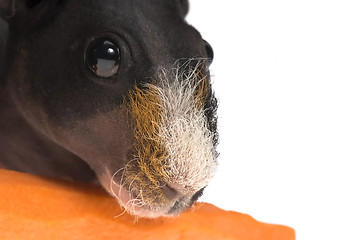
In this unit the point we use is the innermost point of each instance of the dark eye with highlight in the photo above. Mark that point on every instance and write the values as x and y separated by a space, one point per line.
103 58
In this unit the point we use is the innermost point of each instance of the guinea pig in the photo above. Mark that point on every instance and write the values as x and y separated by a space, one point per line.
115 92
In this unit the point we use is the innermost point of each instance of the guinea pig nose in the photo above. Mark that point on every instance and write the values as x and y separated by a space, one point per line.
168 191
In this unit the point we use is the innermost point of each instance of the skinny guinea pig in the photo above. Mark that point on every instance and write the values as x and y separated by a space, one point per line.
115 92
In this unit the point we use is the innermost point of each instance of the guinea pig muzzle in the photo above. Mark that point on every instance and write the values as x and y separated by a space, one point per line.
174 155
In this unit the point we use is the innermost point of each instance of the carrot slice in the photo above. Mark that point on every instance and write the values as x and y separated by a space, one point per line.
33 207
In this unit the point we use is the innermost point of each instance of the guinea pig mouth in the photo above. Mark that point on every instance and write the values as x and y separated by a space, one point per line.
135 205
172 203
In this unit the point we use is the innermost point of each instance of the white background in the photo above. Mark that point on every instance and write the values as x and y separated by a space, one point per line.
288 78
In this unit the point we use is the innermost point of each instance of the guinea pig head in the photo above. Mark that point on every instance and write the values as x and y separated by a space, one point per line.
124 85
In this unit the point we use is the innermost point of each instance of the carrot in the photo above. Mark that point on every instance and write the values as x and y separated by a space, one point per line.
33 207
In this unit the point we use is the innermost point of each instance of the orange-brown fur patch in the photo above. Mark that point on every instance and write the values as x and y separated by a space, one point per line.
146 111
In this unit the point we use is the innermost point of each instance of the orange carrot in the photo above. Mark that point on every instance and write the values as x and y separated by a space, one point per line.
33 207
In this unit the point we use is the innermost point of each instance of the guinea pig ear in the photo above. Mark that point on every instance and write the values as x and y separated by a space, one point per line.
7 9
11 8
184 7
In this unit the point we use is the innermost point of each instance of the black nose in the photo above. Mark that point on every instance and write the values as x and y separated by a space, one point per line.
209 51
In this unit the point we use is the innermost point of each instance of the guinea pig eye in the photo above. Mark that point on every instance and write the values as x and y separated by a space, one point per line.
103 58
209 51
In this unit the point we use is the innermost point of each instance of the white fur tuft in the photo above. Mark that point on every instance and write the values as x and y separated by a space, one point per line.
184 132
